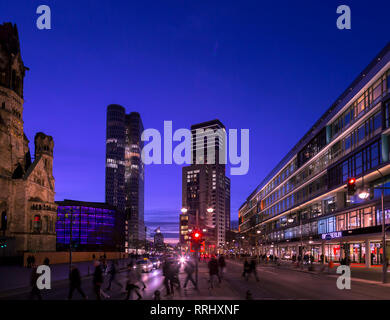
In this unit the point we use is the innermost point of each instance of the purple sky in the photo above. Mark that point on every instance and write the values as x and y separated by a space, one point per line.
271 67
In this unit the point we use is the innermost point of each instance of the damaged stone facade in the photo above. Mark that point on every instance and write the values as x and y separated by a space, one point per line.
27 207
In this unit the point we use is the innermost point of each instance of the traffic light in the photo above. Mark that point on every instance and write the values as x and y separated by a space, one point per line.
351 186
196 238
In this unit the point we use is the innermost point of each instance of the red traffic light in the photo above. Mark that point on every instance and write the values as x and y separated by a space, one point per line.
351 186
196 235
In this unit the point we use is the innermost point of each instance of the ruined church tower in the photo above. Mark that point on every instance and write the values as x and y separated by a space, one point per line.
27 207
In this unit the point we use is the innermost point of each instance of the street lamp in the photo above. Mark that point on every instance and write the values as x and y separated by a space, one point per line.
363 193
184 210
210 210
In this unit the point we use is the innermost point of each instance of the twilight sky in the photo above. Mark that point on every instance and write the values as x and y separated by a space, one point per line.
270 67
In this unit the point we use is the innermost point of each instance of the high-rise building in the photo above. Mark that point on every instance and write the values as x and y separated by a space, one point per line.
27 207
134 179
125 171
303 206
115 156
205 187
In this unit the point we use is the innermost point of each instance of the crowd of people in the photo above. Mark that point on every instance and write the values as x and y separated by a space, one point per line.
132 285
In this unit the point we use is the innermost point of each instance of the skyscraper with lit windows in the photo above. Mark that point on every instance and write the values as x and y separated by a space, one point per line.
125 171
205 187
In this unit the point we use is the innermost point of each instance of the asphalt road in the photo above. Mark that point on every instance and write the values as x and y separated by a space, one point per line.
275 283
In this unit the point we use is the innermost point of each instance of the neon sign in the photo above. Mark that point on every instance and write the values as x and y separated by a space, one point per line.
331 235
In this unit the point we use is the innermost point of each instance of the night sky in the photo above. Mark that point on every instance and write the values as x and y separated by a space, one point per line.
271 67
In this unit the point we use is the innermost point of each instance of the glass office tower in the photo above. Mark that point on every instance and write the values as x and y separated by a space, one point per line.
125 172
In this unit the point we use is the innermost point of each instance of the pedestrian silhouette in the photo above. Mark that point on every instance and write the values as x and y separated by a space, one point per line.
157 295
75 282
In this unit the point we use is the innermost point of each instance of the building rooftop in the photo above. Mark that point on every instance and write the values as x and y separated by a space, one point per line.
101 205
207 124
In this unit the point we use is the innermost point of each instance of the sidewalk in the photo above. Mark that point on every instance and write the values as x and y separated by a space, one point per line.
358 273
16 277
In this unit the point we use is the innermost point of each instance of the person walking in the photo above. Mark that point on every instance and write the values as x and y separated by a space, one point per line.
253 269
75 282
139 276
189 270
213 271
29 262
173 275
46 262
222 266
165 270
35 292
112 272
247 269
97 280
132 279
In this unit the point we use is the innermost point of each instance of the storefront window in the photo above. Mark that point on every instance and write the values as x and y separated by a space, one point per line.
356 252
340 222
379 216
368 219
354 222
332 252
376 253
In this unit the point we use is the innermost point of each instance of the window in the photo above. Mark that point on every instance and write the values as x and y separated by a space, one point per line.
340 222
360 104
377 121
37 225
3 221
361 133
347 118
368 218
377 91
353 220
387 113
347 144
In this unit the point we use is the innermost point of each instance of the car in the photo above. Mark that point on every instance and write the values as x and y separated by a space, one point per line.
156 262
146 265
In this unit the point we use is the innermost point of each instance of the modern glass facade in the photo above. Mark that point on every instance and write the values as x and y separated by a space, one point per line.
302 205
125 172
115 156
88 225
134 180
